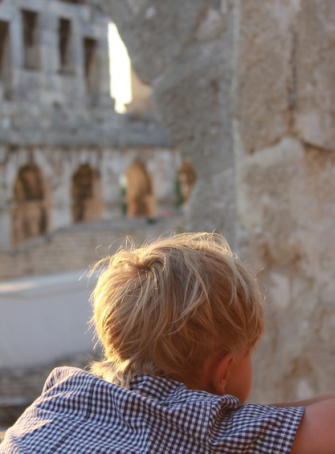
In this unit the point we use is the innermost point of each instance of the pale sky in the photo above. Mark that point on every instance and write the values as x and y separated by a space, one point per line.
120 70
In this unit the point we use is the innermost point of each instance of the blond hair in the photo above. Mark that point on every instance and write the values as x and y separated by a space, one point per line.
165 307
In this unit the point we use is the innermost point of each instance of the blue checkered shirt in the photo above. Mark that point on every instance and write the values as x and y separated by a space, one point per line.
79 413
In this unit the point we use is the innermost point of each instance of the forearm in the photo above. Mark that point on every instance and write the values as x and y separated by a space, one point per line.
307 402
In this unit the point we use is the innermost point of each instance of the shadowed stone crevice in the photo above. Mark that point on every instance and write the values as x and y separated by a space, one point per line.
293 88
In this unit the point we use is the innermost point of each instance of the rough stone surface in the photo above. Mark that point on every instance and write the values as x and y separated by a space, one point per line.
220 212
285 196
315 68
269 171
262 95
289 235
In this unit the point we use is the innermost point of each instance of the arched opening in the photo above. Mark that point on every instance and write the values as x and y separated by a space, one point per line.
140 198
86 201
185 182
30 216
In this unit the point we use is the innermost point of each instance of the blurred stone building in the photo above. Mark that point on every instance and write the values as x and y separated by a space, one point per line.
65 154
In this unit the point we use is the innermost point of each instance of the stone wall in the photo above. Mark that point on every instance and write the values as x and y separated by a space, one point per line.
285 185
246 89
79 246
44 88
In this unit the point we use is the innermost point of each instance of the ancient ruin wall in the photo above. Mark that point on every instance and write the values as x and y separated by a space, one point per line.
285 187
246 89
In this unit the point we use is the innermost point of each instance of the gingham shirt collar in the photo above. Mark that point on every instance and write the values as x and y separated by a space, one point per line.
79 413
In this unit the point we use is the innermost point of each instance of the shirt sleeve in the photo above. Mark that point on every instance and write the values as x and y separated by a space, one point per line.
257 429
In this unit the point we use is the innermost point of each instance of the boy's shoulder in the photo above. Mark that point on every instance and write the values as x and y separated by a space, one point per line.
153 415
65 375
150 390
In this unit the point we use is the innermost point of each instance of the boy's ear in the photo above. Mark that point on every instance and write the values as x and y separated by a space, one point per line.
220 373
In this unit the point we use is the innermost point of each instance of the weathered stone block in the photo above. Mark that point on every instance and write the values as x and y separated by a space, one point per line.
261 102
315 72
290 239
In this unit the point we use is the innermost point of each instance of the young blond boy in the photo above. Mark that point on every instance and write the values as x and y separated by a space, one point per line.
178 320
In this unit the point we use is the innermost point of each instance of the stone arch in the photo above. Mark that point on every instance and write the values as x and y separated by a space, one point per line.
140 197
30 215
86 194
186 180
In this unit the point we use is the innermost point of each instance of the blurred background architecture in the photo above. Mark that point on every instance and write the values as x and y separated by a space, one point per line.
66 154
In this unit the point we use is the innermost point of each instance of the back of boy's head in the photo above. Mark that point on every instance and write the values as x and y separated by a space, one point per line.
166 307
